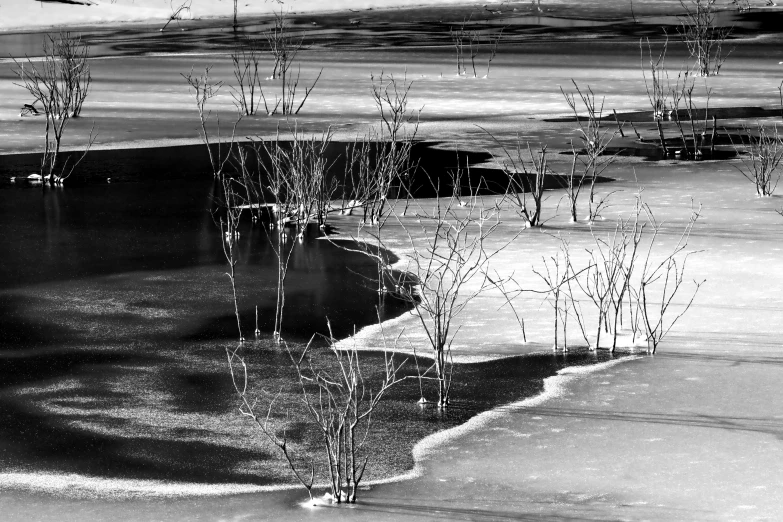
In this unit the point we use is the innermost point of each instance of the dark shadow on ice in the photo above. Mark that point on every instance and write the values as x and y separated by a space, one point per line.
20 331
48 444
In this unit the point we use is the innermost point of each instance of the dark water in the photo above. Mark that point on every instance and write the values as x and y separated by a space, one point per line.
115 316
432 165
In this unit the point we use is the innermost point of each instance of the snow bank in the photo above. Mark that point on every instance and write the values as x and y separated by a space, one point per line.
24 14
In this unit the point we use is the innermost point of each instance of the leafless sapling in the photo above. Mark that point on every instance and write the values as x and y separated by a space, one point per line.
229 228
247 92
273 432
379 169
608 278
595 141
449 263
474 46
524 181
59 83
624 249
681 94
704 38
657 87
378 165
266 189
205 88
555 275
559 275
285 45
780 97
176 13
661 281
339 401
574 182
397 131
764 154
494 41
337 397
458 37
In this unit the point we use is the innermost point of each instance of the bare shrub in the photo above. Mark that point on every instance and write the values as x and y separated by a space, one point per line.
60 83
626 275
337 398
595 139
458 37
760 164
517 180
493 42
394 142
297 177
555 274
447 267
338 401
379 169
247 93
204 89
469 43
608 278
780 97
698 127
294 182
285 45
449 264
661 281
657 88
229 229
258 188
524 181
703 37
176 13
681 94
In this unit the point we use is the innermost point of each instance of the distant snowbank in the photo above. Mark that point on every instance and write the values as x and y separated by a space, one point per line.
27 15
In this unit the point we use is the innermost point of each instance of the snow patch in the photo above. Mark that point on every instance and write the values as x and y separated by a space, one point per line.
74 485
554 386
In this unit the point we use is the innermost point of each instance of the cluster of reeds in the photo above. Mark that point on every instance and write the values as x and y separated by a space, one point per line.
469 44
626 283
